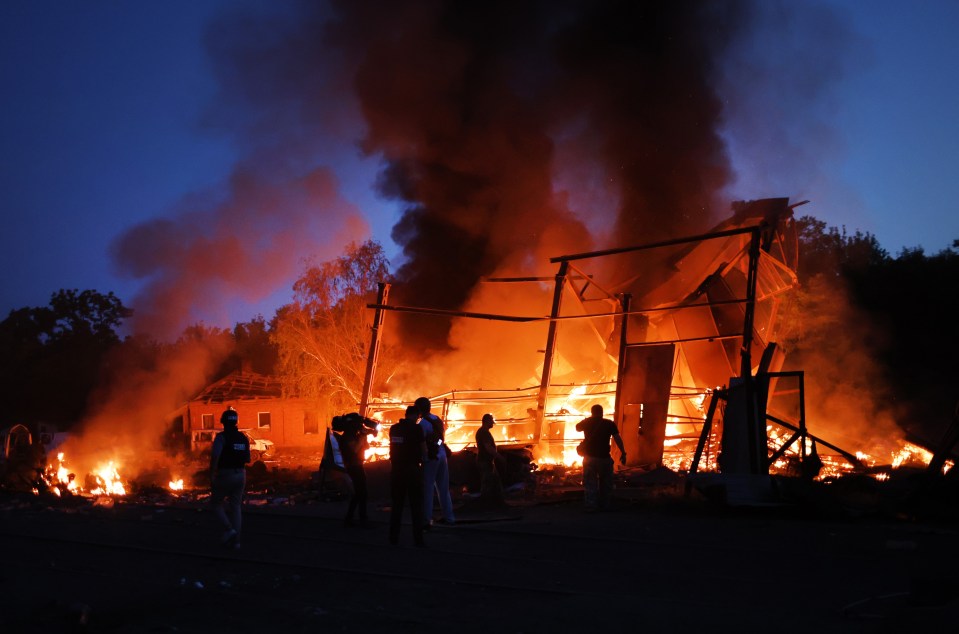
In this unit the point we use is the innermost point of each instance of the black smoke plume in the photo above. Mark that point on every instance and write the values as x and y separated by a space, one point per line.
467 103
506 132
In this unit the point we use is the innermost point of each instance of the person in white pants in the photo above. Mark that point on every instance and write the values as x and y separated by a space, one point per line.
436 470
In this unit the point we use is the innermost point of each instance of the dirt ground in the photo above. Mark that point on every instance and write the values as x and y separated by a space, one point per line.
657 562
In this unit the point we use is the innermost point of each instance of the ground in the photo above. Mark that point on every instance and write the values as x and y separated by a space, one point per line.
658 561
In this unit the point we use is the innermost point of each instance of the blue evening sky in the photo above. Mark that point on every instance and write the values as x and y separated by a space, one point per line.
99 131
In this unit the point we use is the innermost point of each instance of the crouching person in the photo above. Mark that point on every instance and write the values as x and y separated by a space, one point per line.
228 460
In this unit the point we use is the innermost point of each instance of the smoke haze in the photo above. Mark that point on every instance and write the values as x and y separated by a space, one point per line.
505 133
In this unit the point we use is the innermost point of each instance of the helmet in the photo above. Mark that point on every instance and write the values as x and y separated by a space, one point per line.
230 417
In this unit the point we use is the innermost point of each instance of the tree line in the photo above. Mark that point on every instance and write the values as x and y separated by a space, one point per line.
899 311
59 359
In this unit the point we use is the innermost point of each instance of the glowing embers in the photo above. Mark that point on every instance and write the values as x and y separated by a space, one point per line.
905 455
58 480
910 453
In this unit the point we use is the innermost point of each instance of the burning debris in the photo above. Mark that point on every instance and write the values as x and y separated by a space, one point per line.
60 481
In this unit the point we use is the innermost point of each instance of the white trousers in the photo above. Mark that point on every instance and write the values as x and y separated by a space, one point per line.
436 476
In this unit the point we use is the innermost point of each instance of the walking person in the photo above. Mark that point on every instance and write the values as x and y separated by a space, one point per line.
597 462
353 431
436 471
407 453
228 459
491 464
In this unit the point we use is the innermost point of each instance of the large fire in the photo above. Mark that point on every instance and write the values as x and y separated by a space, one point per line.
695 319
710 314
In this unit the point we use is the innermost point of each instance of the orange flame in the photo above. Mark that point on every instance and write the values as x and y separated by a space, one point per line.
59 480
108 480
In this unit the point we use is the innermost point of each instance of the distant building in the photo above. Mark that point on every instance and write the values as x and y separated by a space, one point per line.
264 413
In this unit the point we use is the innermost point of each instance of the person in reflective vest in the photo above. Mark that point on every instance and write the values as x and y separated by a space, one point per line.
228 460
407 453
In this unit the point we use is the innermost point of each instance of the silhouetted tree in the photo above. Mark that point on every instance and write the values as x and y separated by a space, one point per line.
53 355
830 251
900 311
913 297
254 349
323 336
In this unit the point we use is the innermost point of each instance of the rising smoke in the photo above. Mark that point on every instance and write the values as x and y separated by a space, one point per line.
505 133
471 105
242 246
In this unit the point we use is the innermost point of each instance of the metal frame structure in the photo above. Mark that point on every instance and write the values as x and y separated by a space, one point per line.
759 239
800 432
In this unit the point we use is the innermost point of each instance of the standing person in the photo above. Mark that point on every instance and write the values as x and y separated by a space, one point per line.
490 462
436 471
597 463
407 453
353 430
228 460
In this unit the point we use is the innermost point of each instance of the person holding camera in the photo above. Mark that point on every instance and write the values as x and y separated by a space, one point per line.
353 430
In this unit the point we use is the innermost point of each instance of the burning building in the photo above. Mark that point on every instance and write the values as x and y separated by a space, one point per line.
266 416
654 329
677 339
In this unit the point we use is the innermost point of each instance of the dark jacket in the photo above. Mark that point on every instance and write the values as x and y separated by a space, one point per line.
597 432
